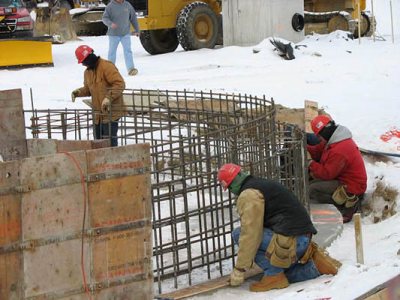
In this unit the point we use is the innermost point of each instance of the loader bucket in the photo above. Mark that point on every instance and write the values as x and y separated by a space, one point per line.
26 52
54 22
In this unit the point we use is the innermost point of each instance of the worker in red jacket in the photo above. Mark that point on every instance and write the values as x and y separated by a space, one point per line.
337 167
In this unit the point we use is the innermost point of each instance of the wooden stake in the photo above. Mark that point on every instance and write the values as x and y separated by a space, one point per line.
359 242
373 21
359 21
391 20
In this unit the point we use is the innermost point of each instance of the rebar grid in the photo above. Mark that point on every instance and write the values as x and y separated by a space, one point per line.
191 135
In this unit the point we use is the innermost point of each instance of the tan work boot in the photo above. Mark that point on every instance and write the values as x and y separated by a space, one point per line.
133 72
278 281
324 263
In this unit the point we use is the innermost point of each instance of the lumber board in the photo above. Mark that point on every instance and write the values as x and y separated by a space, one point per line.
310 112
205 287
387 290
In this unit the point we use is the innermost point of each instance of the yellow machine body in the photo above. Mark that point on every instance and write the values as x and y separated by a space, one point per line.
162 14
25 52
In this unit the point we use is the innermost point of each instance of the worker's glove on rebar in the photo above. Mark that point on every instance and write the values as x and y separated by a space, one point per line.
105 105
74 94
237 277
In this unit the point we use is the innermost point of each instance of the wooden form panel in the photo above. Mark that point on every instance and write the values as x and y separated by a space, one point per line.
119 199
37 147
12 126
41 217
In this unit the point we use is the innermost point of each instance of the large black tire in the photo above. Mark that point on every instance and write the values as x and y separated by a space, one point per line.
159 41
197 26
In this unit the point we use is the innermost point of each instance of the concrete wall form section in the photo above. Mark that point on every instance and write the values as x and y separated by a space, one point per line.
43 200
247 23
12 125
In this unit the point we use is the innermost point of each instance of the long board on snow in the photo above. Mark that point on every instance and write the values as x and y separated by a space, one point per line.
205 287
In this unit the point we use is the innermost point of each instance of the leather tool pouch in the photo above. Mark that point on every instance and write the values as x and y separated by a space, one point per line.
341 197
281 251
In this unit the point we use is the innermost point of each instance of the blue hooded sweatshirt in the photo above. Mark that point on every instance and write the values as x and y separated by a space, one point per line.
123 14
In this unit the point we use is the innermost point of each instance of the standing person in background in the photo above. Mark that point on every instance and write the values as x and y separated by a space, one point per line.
118 17
337 167
105 84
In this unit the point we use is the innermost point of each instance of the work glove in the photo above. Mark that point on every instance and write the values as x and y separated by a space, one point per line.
312 139
237 277
74 94
105 105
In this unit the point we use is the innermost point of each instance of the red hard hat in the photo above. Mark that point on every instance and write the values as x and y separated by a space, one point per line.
227 173
319 122
82 52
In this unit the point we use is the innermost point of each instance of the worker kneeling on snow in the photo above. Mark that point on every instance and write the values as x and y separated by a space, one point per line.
275 232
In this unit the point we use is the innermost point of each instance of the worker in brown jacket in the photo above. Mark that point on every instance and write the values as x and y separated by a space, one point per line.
105 84
275 233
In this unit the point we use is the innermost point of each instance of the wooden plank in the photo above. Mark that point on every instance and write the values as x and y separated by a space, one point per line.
205 287
387 290
12 126
310 112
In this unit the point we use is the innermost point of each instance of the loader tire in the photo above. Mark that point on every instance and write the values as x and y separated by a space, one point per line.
159 41
197 26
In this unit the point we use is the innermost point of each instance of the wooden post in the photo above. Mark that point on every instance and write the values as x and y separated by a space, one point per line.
391 20
373 21
359 21
359 243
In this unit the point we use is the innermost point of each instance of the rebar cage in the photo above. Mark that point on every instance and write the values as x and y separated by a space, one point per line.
191 135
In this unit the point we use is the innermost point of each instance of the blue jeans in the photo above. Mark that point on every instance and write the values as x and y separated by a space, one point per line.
102 131
296 272
113 42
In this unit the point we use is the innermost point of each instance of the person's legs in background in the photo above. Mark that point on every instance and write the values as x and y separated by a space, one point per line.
128 54
321 191
103 131
112 130
113 42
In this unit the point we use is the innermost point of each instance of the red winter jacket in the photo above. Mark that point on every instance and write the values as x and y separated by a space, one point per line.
339 159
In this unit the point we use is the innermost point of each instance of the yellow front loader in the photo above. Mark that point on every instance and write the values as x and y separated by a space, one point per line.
325 16
165 24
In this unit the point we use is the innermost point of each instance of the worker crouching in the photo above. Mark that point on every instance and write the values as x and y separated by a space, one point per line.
275 233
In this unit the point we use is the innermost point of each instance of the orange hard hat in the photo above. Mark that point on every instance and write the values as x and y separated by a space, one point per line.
319 122
82 52
227 173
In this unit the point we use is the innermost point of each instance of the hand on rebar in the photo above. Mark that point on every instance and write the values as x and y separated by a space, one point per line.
237 277
74 94
105 105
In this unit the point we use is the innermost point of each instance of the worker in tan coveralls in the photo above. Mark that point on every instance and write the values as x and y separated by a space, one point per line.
105 84
275 233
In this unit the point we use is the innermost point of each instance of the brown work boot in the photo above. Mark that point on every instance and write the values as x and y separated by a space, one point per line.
278 281
324 263
133 72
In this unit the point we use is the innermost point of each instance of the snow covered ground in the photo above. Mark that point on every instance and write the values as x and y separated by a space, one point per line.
357 83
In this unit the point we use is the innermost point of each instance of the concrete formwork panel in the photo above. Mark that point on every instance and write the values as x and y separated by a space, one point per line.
247 22
12 126
45 201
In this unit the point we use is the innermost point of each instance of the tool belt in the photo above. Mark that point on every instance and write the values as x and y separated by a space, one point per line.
281 251
341 197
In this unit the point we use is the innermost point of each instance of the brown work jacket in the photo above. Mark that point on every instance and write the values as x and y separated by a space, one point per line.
104 81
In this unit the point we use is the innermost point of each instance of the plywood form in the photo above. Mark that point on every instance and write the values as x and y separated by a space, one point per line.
12 126
40 147
43 234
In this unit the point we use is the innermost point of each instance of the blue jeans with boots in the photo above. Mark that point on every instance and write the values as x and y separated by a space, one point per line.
296 272
125 40
104 130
